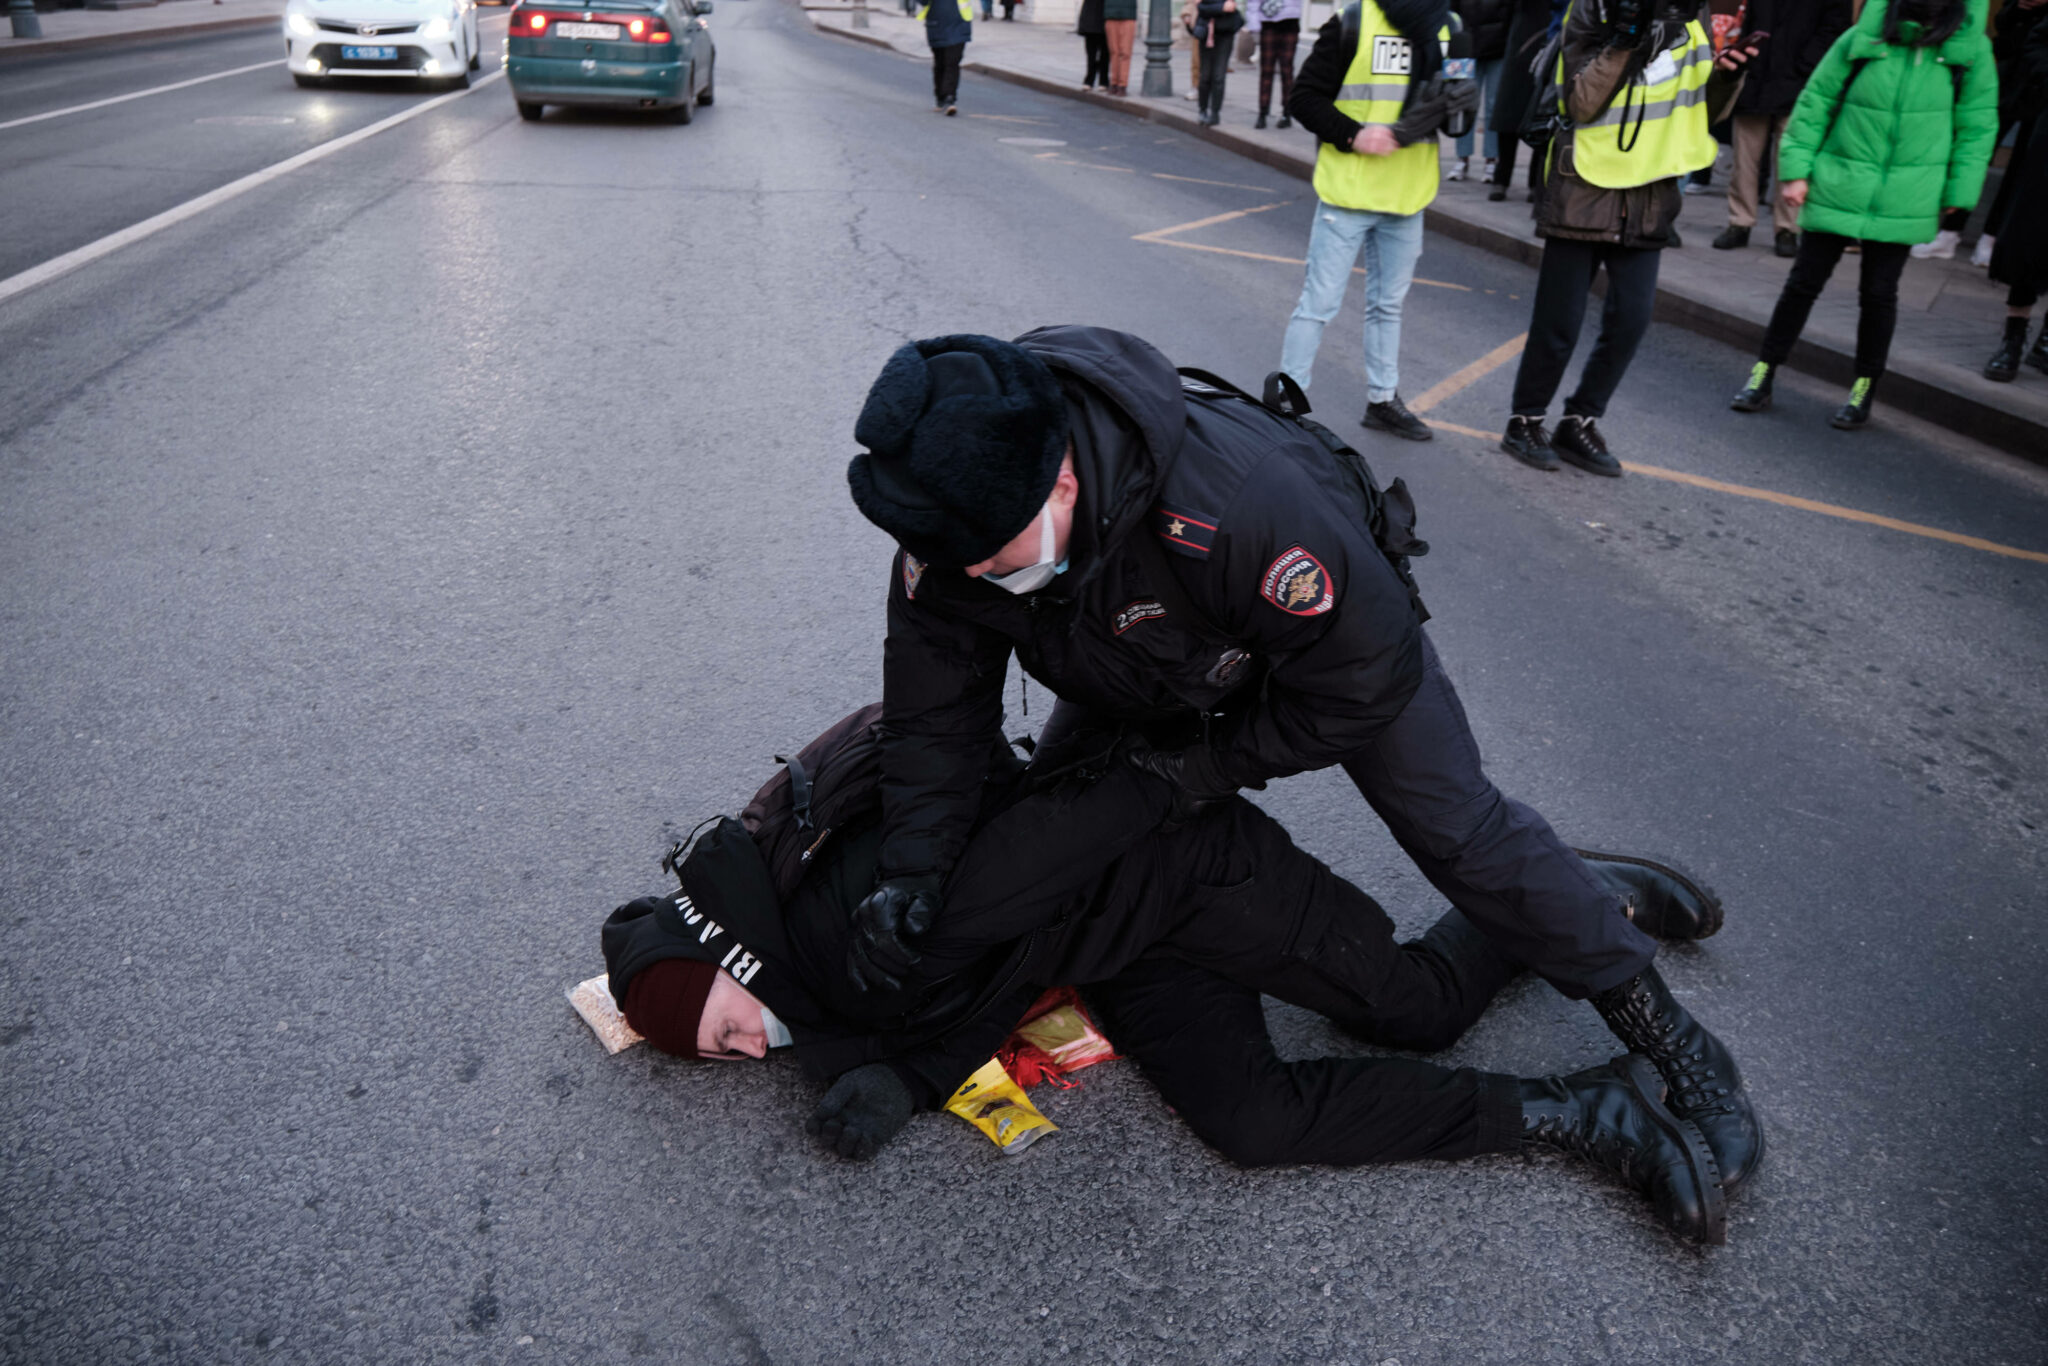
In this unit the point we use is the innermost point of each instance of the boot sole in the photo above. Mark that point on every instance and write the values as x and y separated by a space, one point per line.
1753 407
1424 435
1533 464
1711 915
1644 1079
1588 464
1851 426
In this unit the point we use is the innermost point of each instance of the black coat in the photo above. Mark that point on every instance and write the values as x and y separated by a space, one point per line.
1281 639
1089 20
1801 32
1487 22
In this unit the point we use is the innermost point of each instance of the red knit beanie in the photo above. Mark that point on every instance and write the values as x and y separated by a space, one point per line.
665 1003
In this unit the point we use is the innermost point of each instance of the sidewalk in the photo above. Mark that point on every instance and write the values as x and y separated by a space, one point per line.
1950 315
66 30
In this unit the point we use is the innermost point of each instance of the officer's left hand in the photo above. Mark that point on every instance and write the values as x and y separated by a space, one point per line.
1171 765
900 909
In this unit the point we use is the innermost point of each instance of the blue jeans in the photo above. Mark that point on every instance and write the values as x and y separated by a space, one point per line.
1392 244
1489 87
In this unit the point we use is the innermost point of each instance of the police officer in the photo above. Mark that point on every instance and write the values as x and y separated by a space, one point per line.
1196 567
1637 85
1374 93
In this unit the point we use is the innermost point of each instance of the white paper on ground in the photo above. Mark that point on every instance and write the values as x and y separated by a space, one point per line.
593 1001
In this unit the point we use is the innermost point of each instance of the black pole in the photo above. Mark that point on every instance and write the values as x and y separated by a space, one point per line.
23 13
1158 51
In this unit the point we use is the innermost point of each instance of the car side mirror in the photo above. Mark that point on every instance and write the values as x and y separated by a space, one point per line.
703 6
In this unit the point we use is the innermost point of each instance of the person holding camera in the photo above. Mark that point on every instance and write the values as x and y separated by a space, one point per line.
1636 86
1375 92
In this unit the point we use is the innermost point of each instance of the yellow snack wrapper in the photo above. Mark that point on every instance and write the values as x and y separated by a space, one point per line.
997 1106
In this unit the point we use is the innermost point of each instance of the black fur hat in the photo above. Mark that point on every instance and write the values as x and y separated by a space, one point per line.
964 439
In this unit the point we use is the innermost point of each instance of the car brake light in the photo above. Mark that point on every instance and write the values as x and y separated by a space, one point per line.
537 22
637 28
661 35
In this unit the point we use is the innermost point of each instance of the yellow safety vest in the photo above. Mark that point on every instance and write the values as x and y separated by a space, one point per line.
1660 118
966 11
1405 180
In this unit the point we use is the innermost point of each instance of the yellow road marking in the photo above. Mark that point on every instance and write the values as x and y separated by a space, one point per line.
1789 500
1008 118
1223 184
1478 369
1227 251
1161 234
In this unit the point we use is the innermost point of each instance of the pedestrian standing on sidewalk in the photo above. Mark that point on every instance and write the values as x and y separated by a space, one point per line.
1801 32
1637 84
1487 21
1278 23
1528 31
1095 41
948 29
1374 94
1895 126
1120 26
2017 115
1216 23
2020 260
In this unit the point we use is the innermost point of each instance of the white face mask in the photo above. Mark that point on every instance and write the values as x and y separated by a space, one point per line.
1031 577
776 1030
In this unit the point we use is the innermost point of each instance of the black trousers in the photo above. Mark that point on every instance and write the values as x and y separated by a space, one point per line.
1251 914
1877 298
1097 46
1492 857
1215 70
1562 285
946 73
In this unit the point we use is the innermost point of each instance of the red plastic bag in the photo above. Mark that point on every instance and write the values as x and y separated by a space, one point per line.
1056 1039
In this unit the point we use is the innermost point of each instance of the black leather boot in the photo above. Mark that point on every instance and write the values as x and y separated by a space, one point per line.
1705 1087
1577 441
1262 120
1393 416
2005 362
1855 413
1661 900
1526 440
1615 1117
1755 396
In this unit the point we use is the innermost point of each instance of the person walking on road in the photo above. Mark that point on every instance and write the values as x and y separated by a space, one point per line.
1278 23
1095 41
1799 35
1374 94
1637 86
1120 26
1216 24
1895 126
948 29
2019 260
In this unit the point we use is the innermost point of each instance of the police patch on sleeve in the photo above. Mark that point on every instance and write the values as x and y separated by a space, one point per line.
913 575
1296 582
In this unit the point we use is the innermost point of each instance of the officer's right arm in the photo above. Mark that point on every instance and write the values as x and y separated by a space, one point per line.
942 712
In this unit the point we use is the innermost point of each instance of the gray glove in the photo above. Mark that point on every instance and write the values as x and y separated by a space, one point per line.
863 1110
1426 113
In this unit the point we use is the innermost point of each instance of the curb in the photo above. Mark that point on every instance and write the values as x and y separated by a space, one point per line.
1926 399
18 49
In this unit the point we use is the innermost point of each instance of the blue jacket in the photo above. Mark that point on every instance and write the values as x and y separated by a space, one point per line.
946 22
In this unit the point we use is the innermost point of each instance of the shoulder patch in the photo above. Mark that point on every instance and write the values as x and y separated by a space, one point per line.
913 575
1297 583
1190 533
1145 609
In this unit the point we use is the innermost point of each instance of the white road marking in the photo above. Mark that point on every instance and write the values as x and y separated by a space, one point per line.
191 208
136 95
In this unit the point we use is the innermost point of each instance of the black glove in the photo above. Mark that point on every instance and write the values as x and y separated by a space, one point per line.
1425 113
863 1110
1172 765
901 908
1462 96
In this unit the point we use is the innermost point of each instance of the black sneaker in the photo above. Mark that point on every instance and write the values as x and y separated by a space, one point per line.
1578 442
1526 440
1393 416
1731 238
1496 194
1262 120
1856 412
1755 396
1787 244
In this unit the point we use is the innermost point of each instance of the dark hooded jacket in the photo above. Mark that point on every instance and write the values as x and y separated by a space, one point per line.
1801 33
1223 593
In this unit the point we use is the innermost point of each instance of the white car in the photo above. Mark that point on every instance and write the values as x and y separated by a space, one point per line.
417 40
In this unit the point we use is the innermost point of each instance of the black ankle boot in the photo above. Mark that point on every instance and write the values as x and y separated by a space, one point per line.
1262 120
1705 1087
1661 900
2005 362
1755 396
1285 122
1526 440
1615 1117
1856 412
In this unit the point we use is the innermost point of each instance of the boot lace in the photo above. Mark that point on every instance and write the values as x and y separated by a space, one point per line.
1690 1079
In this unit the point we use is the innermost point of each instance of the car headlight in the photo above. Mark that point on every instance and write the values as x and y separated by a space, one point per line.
301 24
437 28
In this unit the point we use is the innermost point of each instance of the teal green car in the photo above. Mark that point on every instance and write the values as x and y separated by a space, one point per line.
653 54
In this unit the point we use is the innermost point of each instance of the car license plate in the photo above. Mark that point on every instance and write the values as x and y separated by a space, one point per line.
608 32
369 54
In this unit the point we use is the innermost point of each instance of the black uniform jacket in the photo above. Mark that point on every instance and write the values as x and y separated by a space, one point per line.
1222 592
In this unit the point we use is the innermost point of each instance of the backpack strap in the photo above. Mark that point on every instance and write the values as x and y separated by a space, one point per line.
799 790
1352 21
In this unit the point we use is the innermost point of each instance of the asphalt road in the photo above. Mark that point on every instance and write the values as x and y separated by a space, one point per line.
393 557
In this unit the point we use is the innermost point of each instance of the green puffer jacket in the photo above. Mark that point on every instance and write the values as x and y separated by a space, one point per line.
1906 145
